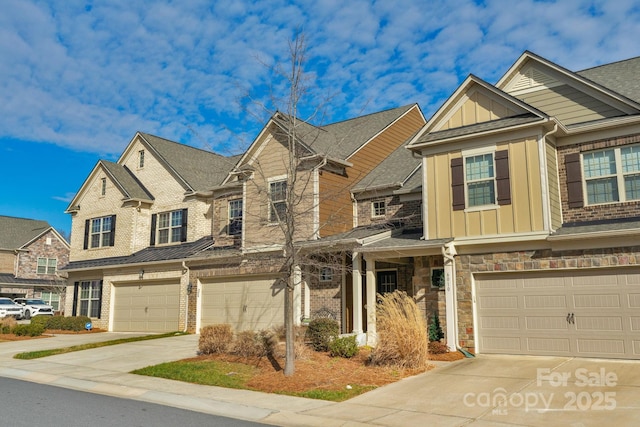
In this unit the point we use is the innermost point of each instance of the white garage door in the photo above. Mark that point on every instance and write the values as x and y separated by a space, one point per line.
587 313
252 304
146 308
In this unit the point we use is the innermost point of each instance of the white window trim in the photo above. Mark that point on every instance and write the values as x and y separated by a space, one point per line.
431 277
619 175
169 228
383 270
473 153
46 266
230 218
141 159
326 274
100 233
373 208
270 181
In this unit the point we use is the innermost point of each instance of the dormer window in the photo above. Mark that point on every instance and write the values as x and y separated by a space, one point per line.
378 208
141 159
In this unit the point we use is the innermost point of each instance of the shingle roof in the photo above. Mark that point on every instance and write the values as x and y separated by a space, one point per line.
408 240
393 171
480 127
620 224
132 188
147 255
341 139
621 77
202 170
16 232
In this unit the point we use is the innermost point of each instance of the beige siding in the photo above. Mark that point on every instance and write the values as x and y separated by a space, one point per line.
336 211
523 215
7 262
272 164
555 205
477 109
568 104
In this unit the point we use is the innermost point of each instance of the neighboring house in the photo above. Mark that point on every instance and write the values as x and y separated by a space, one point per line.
31 253
170 237
532 188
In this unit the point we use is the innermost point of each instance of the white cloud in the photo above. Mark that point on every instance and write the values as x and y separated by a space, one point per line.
87 77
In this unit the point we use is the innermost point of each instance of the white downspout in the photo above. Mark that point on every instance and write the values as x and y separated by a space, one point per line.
185 270
449 253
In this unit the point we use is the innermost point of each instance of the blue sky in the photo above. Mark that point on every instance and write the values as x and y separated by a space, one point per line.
79 78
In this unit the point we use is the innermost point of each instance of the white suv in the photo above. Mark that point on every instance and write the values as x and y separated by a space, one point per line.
33 307
9 308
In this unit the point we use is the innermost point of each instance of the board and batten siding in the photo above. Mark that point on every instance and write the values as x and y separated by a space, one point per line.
523 215
336 211
555 205
478 108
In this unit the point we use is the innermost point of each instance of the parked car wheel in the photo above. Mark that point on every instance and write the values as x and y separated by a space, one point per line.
27 314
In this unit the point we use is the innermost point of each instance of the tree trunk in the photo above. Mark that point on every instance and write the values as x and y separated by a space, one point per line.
290 349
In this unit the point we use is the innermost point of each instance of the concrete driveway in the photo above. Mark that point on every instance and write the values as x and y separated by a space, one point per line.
505 391
482 391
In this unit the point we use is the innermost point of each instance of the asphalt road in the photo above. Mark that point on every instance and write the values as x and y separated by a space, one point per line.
30 404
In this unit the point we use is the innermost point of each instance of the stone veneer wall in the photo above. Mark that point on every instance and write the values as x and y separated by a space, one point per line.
430 300
523 261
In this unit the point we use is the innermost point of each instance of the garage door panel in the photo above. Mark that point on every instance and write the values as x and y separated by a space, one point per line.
604 319
146 308
252 304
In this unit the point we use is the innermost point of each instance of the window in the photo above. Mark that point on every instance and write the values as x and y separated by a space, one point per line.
103 186
169 227
141 159
437 278
612 175
387 281
278 196
235 217
90 298
378 208
51 298
47 265
479 178
326 274
100 232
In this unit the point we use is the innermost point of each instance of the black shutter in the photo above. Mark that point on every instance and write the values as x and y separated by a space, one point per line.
154 220
574 180
502 177
100 299
457 183
87 225
183 232
112 239
74 310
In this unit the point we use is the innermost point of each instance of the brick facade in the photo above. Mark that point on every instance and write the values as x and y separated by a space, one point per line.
47 246
408 212
595 212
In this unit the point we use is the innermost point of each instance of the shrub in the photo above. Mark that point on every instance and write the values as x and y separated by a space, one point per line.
346 347
402 332
215 338
321 331
435 331
438 347
31 330
55 322
73 323
7 324
269 339
41 321
247 344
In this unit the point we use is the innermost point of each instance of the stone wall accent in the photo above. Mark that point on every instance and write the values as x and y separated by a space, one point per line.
524 261
47 246
409 212
430 299
595 212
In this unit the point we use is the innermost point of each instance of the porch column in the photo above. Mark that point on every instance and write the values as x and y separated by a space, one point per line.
372 336
297 295
357 293
449 253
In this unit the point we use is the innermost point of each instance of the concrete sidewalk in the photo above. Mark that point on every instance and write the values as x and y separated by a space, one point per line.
484 391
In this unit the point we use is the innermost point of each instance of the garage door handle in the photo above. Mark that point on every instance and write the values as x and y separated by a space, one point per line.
571 318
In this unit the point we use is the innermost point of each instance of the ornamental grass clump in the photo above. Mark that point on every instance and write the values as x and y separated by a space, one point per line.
215 338
402 333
